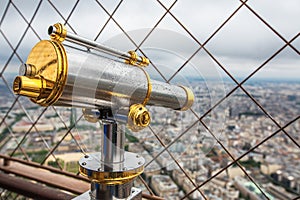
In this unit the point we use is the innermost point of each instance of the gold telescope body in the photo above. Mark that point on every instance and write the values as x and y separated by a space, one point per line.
56 74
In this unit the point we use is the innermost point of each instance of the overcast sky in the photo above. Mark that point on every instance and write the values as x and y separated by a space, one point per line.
242 45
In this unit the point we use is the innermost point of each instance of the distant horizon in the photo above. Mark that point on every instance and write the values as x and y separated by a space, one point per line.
223 78
268 79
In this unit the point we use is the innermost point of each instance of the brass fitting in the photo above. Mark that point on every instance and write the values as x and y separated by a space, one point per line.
44 74
35 87
144 63
133 60
138 117
57 32
89 115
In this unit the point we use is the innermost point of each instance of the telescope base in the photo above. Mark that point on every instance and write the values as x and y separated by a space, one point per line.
96 170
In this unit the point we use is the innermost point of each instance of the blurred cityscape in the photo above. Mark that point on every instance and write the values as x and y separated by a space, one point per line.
237 122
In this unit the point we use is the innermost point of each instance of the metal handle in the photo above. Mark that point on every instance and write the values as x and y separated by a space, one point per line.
59 32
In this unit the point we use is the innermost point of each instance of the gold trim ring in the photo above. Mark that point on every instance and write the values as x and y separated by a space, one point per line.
189 98
120 173
149 87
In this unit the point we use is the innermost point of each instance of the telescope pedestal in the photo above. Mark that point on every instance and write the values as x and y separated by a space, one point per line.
112 170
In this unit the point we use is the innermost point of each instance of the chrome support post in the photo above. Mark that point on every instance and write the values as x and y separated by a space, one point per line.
112 147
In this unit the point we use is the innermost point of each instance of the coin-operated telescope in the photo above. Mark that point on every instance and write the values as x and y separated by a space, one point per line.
108 90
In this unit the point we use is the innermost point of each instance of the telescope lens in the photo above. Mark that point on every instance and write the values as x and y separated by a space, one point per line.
50 30
17 85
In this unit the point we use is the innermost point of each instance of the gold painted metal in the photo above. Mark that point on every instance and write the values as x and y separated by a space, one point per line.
60 32
88 115
44 84
189 100
111 178
145 62
133 60
149 89
32 87
138 117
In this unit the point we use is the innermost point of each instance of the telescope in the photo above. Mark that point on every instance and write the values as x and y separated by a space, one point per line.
109 85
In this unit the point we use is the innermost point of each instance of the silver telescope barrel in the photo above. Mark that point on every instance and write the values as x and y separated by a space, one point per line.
92 81
95 82
55 74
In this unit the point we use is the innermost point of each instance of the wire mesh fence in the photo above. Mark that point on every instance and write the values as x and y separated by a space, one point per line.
241 58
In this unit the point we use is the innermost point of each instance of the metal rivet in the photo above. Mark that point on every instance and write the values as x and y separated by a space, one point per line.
139 163
84 163
137 156
99 169
86 156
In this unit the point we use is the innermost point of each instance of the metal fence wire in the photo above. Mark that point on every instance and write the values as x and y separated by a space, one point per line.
242 134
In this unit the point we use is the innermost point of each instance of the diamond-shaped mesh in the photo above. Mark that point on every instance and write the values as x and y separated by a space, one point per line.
231 53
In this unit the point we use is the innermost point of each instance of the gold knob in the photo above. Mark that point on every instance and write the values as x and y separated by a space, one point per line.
138 117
